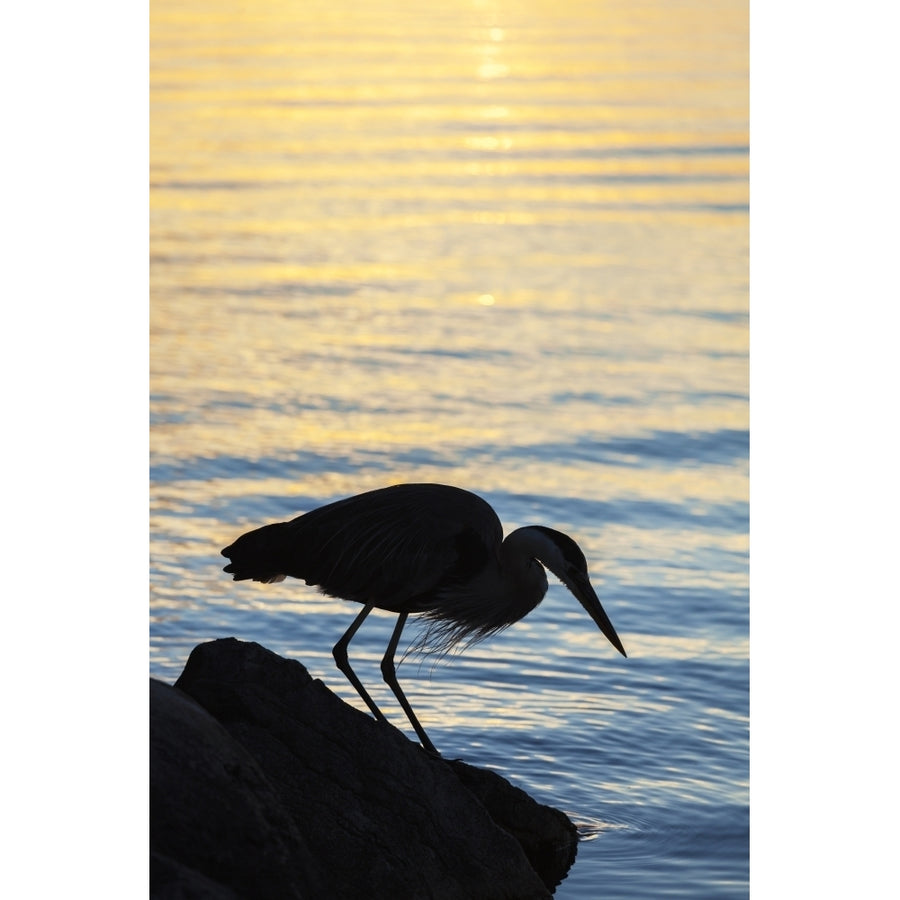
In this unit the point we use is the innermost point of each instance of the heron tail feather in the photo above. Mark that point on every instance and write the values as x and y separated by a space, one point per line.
257 555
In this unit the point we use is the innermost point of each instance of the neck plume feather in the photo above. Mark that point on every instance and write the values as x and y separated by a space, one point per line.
504 592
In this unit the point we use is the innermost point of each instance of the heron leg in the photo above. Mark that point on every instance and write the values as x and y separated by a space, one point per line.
389 671
343 662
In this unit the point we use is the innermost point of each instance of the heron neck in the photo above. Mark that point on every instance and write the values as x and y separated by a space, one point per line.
522 573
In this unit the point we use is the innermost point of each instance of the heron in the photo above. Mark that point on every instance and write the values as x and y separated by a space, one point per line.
430 550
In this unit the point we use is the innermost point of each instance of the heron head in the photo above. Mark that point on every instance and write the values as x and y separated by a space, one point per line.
563 557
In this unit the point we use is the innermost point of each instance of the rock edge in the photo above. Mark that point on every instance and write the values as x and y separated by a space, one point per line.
264 784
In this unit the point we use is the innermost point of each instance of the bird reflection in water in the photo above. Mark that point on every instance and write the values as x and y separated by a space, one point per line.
427 549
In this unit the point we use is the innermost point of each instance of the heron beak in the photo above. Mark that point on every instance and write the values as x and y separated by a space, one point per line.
587 597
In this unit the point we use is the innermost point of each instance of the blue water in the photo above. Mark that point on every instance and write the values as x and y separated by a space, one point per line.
498 247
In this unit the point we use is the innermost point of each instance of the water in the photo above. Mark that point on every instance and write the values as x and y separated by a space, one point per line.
502 246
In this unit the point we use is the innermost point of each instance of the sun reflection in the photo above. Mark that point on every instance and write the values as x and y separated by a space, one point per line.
488 142
494 112
492 70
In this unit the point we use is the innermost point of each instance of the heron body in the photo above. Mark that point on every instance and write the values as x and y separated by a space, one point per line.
423 549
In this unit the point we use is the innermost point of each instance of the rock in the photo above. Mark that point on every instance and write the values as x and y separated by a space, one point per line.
547 835
265 784
216 822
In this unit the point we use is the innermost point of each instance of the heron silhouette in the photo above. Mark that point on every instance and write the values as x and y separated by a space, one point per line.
426 549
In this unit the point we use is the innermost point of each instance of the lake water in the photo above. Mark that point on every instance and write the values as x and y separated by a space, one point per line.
497 245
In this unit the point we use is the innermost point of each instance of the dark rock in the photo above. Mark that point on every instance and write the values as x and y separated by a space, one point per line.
265 784
215 820
547 835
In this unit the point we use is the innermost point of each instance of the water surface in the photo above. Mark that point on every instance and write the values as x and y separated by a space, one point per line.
502 246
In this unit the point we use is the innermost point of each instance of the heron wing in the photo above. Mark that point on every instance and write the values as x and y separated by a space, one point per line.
396 546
